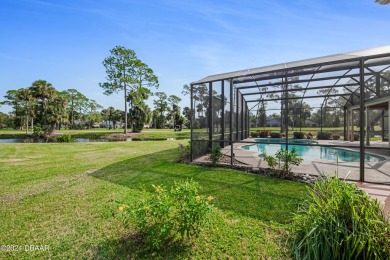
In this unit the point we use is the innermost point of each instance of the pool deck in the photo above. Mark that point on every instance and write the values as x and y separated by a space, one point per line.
375 172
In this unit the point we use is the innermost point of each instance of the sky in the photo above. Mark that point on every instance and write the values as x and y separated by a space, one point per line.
65 42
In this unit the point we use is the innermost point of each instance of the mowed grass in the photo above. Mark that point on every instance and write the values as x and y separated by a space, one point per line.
97 133
66 196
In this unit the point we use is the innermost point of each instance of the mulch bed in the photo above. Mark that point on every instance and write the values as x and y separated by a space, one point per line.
241 166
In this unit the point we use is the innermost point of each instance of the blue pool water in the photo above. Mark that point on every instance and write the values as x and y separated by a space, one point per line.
310 153
282 140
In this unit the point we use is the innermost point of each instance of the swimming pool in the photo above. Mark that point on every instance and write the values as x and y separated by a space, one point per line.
310 153
283 140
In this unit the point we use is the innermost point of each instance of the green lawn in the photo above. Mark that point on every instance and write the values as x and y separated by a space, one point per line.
66 196
96 133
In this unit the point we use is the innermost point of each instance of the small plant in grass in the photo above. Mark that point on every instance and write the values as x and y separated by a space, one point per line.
184 152
216 154
65 138
275 135
168 214
340 221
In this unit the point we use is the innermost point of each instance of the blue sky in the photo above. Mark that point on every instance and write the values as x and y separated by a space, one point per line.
65 42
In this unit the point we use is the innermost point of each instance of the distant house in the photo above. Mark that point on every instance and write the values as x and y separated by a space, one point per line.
310 123
273 121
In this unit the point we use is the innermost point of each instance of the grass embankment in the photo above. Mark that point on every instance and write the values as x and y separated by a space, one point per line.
66 196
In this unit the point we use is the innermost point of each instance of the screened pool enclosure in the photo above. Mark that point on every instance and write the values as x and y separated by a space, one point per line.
338 103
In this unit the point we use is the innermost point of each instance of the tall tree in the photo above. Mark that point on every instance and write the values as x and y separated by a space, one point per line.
174 101
50 105
136 100
161 105
261 114
125 72
12 99
27 100
187 116
93 107
72 96
383 2
108 115
81 106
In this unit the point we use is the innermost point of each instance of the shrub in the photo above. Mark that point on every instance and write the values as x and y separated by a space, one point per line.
340 221
298 135
275 135
288 158
272 162
216 154
37 131
184 152
255 134
264 133
65 138
356 137
324 135
167 214
336 137
44 131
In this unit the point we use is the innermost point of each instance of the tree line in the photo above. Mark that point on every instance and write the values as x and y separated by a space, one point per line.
42 105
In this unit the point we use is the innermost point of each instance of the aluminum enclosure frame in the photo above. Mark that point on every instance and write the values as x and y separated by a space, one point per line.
222 101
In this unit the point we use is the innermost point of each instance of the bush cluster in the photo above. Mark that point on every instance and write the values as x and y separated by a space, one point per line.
335 136
325 135
216 154
184 152
65 138
254 134
284 158
340 221
264 133
299 135
168 214
275 135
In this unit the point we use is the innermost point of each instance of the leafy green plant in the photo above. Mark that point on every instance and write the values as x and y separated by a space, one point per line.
37 131
44 131
299 135
325 135
65 138
272 162
167 214
275 135
184 152
288 158
340 221
356 136
254 134
216 154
